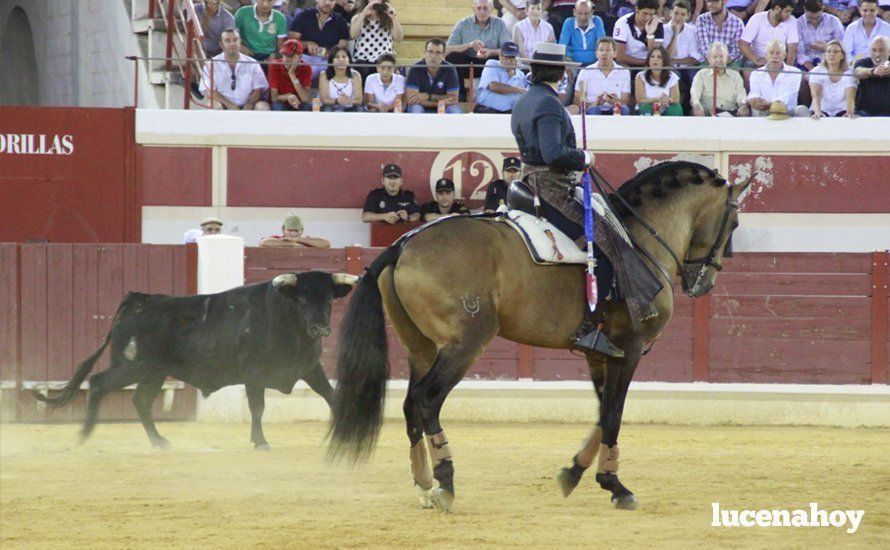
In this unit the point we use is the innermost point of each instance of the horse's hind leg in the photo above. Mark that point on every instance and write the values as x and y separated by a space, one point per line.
569 478
421 353
429 393
143 397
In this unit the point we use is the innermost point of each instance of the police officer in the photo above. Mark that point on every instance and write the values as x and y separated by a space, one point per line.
391 203
551 162
444 203
496 192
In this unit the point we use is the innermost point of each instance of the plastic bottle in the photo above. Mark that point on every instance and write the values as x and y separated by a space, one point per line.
441 107
616 109
397 106
656 109
316 105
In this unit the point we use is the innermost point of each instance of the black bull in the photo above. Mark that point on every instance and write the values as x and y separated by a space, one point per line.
265 335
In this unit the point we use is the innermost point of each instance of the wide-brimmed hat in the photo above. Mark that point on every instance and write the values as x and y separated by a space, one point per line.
778 111
548 53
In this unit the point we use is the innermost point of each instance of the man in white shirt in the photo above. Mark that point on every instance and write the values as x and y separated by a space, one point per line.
638 32
860 33
776 23
605 84
238 80
776 81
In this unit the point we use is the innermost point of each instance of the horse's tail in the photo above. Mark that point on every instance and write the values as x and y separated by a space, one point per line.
362 368
73 385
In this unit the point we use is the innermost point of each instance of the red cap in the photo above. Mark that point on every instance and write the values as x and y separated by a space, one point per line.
291 47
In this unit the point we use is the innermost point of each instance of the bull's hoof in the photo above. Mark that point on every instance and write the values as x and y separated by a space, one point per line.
443 500
625 502
160 443
567 481
425 496
262 447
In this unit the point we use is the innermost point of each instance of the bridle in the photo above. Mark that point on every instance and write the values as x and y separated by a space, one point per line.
692 271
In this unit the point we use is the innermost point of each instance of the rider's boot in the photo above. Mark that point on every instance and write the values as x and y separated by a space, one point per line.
590 338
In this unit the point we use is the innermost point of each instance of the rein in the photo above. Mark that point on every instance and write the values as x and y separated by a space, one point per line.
686 268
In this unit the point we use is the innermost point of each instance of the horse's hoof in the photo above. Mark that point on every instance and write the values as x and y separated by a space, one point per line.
261 447
625 502
567 481
160 443
443 500
425 496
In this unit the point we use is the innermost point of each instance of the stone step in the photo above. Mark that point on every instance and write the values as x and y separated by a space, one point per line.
431 15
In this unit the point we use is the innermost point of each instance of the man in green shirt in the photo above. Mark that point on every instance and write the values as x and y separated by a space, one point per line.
262 29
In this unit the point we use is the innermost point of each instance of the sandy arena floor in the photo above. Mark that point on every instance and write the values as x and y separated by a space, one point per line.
213 490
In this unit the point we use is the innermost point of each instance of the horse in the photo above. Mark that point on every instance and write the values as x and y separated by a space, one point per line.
672 210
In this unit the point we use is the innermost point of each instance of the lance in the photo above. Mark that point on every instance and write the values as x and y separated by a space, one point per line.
588 213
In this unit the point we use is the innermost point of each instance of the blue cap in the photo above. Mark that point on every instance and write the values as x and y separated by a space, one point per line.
509 49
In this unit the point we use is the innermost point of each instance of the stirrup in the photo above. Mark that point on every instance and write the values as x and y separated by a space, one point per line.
597 342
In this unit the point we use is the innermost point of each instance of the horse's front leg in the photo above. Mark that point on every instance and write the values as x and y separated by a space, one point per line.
619 372
569 478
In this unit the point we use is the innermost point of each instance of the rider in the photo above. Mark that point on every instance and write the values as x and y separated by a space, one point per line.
550 165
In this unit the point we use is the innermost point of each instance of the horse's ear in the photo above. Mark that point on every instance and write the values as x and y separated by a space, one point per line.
741 188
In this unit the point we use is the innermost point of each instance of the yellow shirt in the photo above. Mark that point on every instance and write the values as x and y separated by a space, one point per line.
730 90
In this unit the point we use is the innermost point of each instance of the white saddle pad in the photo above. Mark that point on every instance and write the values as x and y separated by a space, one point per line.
547 244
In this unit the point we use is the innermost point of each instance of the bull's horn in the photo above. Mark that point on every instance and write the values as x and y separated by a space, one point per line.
345 279
288 279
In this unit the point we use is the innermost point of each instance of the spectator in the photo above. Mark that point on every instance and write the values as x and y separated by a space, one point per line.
262 29
385 87
292 236
775 24
873 74
289 80
532 29
432 80
558 12
731 95
444 203
832 84
214 19
605 84
744 9
390 203
501 84
815 30
681 44
658 85
375 28
580 34
320 29
496 192
209 226
512 12
238 81
845 10
346 9
860 33
475 39
680 39
775 81
340 86
637 33
885 9
566 89
718 25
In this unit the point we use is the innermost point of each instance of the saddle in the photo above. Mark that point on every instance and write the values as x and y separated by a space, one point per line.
546 243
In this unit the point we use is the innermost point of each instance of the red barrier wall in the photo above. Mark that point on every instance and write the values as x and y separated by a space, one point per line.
66 175
67 298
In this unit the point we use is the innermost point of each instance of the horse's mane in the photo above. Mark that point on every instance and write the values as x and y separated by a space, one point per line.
658 182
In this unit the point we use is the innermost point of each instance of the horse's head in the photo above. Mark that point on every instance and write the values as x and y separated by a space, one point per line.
710 240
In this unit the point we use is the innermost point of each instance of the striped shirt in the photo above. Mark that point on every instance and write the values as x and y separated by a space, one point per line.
830 28
708 31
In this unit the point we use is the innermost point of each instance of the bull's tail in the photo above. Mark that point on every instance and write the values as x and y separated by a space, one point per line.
362 368
73 385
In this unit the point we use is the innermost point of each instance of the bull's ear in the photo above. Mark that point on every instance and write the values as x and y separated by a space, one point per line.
343 284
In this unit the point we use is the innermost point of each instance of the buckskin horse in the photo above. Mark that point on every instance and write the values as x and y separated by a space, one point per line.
672 210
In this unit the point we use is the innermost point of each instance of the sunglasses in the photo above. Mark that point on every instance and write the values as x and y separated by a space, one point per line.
233 81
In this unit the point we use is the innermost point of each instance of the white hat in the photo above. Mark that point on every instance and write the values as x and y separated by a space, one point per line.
548 53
